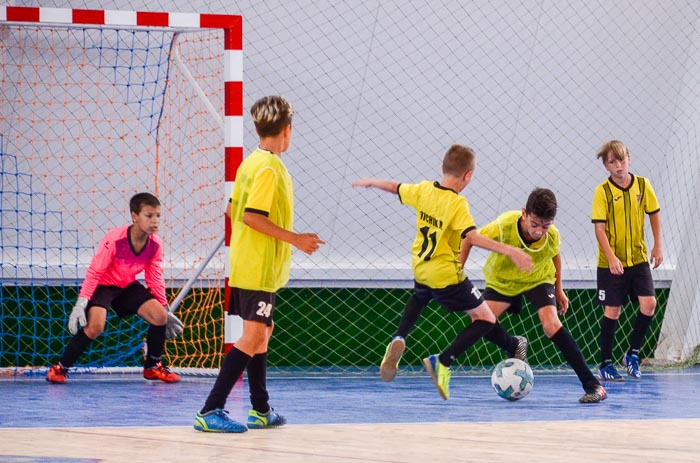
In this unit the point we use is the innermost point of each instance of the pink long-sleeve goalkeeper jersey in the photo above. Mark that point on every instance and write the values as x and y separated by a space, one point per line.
116 264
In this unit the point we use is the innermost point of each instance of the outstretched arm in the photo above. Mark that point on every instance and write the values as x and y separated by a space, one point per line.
520 258
390 186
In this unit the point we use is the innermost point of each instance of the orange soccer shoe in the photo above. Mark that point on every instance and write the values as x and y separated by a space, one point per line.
57 374
160 372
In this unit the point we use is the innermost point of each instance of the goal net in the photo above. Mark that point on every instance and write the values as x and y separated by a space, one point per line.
97 106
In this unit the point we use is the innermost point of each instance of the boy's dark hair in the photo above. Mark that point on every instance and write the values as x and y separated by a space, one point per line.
271 114
458 160
139 200
542 203
616 148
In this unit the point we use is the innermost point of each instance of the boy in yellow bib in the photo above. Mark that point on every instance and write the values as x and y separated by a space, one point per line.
532 230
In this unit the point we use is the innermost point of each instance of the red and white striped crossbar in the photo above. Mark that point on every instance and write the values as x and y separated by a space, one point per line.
232 25
121 18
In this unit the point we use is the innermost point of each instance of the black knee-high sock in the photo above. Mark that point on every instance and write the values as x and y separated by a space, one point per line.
464 340
75 348
155 342
607 339
233 365
411 314
572 354
257 383
499 336
639 332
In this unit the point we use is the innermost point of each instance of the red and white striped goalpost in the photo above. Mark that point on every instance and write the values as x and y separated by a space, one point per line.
232 26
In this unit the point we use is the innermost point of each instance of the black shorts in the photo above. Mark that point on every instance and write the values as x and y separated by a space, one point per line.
456 298
636 281
252 305
540 296
124 301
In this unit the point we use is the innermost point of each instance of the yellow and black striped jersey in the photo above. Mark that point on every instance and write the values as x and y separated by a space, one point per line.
499 271
263 186
622 210
442 220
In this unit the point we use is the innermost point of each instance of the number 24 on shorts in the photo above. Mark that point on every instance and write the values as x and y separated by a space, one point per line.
265 309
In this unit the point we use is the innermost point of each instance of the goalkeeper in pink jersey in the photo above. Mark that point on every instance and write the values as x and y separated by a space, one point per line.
110 281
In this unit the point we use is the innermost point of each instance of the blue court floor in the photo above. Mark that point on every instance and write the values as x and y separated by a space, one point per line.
129 400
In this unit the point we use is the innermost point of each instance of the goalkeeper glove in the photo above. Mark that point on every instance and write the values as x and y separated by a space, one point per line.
77 316
174 327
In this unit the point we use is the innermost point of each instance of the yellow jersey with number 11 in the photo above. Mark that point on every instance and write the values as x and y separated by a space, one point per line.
442 220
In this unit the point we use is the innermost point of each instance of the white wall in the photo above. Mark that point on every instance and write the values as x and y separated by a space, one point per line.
383 88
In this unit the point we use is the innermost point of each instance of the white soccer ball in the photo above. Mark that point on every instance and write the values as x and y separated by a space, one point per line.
512 379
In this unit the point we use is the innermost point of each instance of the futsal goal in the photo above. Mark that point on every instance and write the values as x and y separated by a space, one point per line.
97 105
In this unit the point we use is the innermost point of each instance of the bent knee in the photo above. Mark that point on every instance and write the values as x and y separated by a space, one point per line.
612 312
254 341
551 327
484 316
549 320
92 331
647 306
160 318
